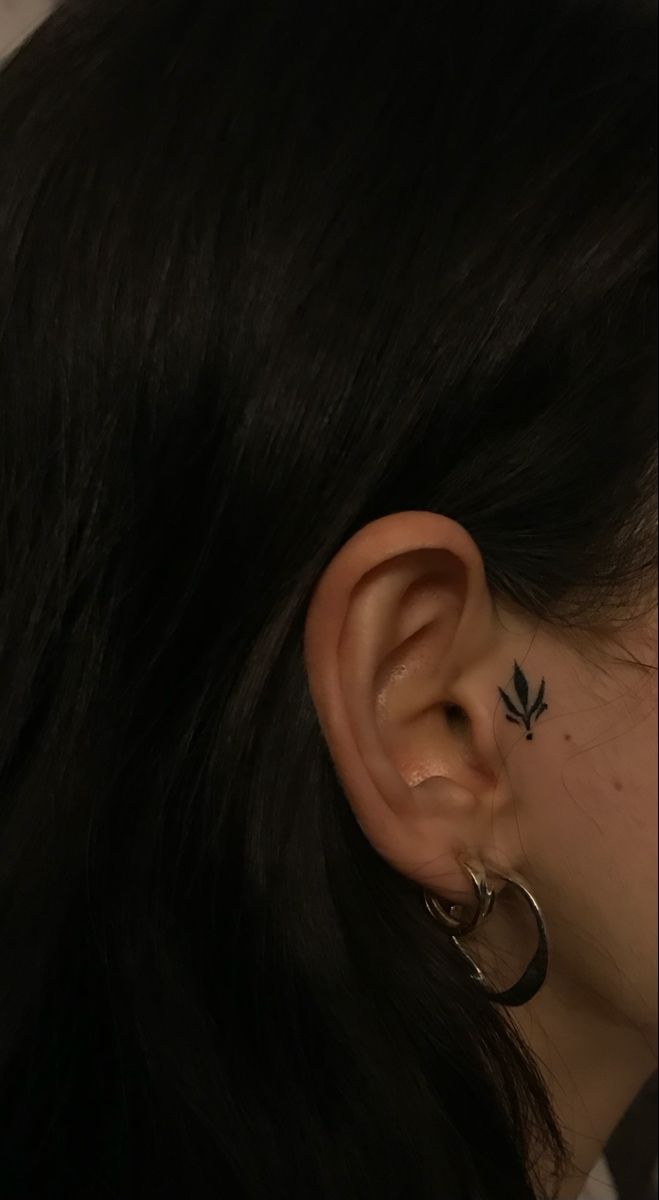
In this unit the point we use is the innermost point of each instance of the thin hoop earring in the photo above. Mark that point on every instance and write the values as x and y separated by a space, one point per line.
534 976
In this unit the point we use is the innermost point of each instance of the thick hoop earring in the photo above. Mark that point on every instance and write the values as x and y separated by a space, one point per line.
534 975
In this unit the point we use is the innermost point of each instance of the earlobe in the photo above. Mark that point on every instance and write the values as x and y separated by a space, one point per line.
400 625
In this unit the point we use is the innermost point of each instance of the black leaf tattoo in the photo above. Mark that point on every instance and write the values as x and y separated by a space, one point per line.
521 686
526 715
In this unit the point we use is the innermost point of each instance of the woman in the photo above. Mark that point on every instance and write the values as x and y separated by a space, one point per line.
329 626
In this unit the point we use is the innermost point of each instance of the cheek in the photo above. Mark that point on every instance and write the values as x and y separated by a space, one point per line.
608 844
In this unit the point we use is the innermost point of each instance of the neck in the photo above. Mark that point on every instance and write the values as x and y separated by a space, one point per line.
593 1060
593 1065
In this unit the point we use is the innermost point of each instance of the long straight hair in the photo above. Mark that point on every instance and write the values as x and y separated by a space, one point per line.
267 272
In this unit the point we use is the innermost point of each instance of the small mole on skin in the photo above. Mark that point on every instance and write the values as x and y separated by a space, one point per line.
568 737
617 785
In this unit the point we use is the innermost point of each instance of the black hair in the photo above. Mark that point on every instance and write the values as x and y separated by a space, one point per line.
267 272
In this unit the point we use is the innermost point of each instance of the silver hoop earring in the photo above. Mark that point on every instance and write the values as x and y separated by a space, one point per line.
534 976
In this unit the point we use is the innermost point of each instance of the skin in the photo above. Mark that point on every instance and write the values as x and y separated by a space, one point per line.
402 627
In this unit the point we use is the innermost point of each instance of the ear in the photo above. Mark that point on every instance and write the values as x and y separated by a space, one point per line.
404 653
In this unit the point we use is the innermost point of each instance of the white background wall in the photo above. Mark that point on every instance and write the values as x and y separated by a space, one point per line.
17 17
